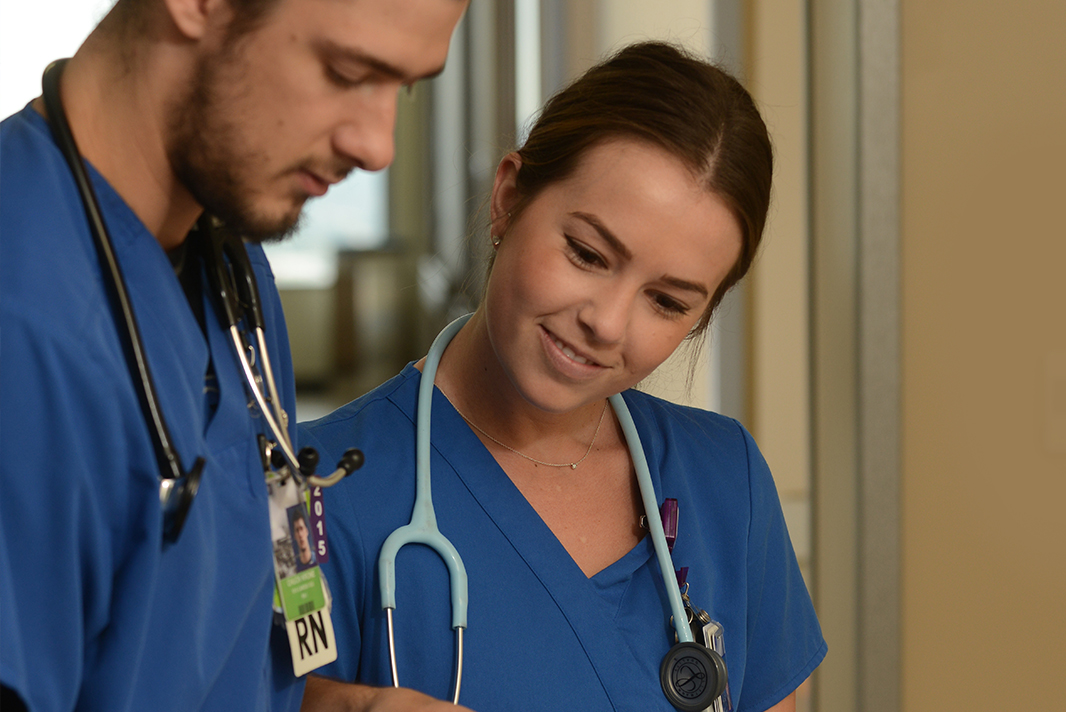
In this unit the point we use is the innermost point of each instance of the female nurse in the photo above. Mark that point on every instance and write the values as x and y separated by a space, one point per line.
637 201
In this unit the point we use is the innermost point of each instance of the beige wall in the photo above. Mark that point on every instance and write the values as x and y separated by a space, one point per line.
778 284
984 360
622 22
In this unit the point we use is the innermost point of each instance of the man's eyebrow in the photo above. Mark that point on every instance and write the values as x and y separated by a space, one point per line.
618 246
350 54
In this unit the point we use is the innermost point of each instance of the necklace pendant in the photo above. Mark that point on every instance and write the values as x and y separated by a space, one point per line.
573 465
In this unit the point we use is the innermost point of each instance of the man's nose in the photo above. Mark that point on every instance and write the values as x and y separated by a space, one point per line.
366 137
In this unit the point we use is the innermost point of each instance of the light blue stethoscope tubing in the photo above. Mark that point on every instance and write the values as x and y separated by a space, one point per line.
655 523
423 526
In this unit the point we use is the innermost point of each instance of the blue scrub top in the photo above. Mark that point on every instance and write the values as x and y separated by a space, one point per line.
95 612
542 636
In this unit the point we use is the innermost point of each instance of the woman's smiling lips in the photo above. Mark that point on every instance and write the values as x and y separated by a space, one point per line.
566 358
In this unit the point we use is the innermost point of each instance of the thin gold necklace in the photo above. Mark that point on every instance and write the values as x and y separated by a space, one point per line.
571 465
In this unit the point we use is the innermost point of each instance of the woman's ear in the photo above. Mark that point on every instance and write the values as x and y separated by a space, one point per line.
504 194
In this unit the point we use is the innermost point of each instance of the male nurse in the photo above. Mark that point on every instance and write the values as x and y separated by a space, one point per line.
237 109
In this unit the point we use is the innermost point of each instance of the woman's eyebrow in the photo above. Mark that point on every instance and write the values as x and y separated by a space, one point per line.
608 236
686 285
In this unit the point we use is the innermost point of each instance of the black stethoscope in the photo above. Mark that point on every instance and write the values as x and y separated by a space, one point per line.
237 301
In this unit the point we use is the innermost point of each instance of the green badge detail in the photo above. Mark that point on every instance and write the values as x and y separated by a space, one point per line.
302 593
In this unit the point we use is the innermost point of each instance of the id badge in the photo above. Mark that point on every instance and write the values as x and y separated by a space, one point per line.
710 634
714 638
316 508
295 564
300 593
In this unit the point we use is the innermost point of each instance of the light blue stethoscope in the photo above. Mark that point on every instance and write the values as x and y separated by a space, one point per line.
693 676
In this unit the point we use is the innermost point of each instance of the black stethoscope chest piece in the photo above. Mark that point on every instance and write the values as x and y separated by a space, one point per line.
692 676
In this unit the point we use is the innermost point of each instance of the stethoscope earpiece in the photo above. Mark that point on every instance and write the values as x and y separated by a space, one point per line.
351 460
308 460
692 676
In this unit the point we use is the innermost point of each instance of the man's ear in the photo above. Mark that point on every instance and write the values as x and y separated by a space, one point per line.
504 193
192 17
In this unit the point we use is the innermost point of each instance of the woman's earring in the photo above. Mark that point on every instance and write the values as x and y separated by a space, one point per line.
497 238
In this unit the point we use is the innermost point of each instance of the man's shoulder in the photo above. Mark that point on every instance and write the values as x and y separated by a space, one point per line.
21 125
26 150
49 269
39 204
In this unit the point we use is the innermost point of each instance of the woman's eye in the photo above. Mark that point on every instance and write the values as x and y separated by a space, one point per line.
669 305
583 254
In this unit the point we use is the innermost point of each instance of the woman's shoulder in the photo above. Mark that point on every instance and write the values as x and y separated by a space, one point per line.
375 412
669 417
681 439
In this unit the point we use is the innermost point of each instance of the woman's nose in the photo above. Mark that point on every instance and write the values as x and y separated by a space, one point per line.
606 315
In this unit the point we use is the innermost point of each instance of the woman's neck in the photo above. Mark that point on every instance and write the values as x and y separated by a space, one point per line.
474 380
525 439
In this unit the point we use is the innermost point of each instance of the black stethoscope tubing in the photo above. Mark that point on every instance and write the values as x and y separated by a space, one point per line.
237 296
177 487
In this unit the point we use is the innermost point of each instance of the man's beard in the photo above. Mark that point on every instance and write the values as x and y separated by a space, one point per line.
206 153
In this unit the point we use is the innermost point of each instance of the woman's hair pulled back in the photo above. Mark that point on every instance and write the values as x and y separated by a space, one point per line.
659 93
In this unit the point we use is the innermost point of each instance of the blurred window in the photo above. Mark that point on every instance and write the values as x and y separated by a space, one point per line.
32 34
352 216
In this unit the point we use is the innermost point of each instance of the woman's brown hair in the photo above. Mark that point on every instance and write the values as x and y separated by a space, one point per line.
659 93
